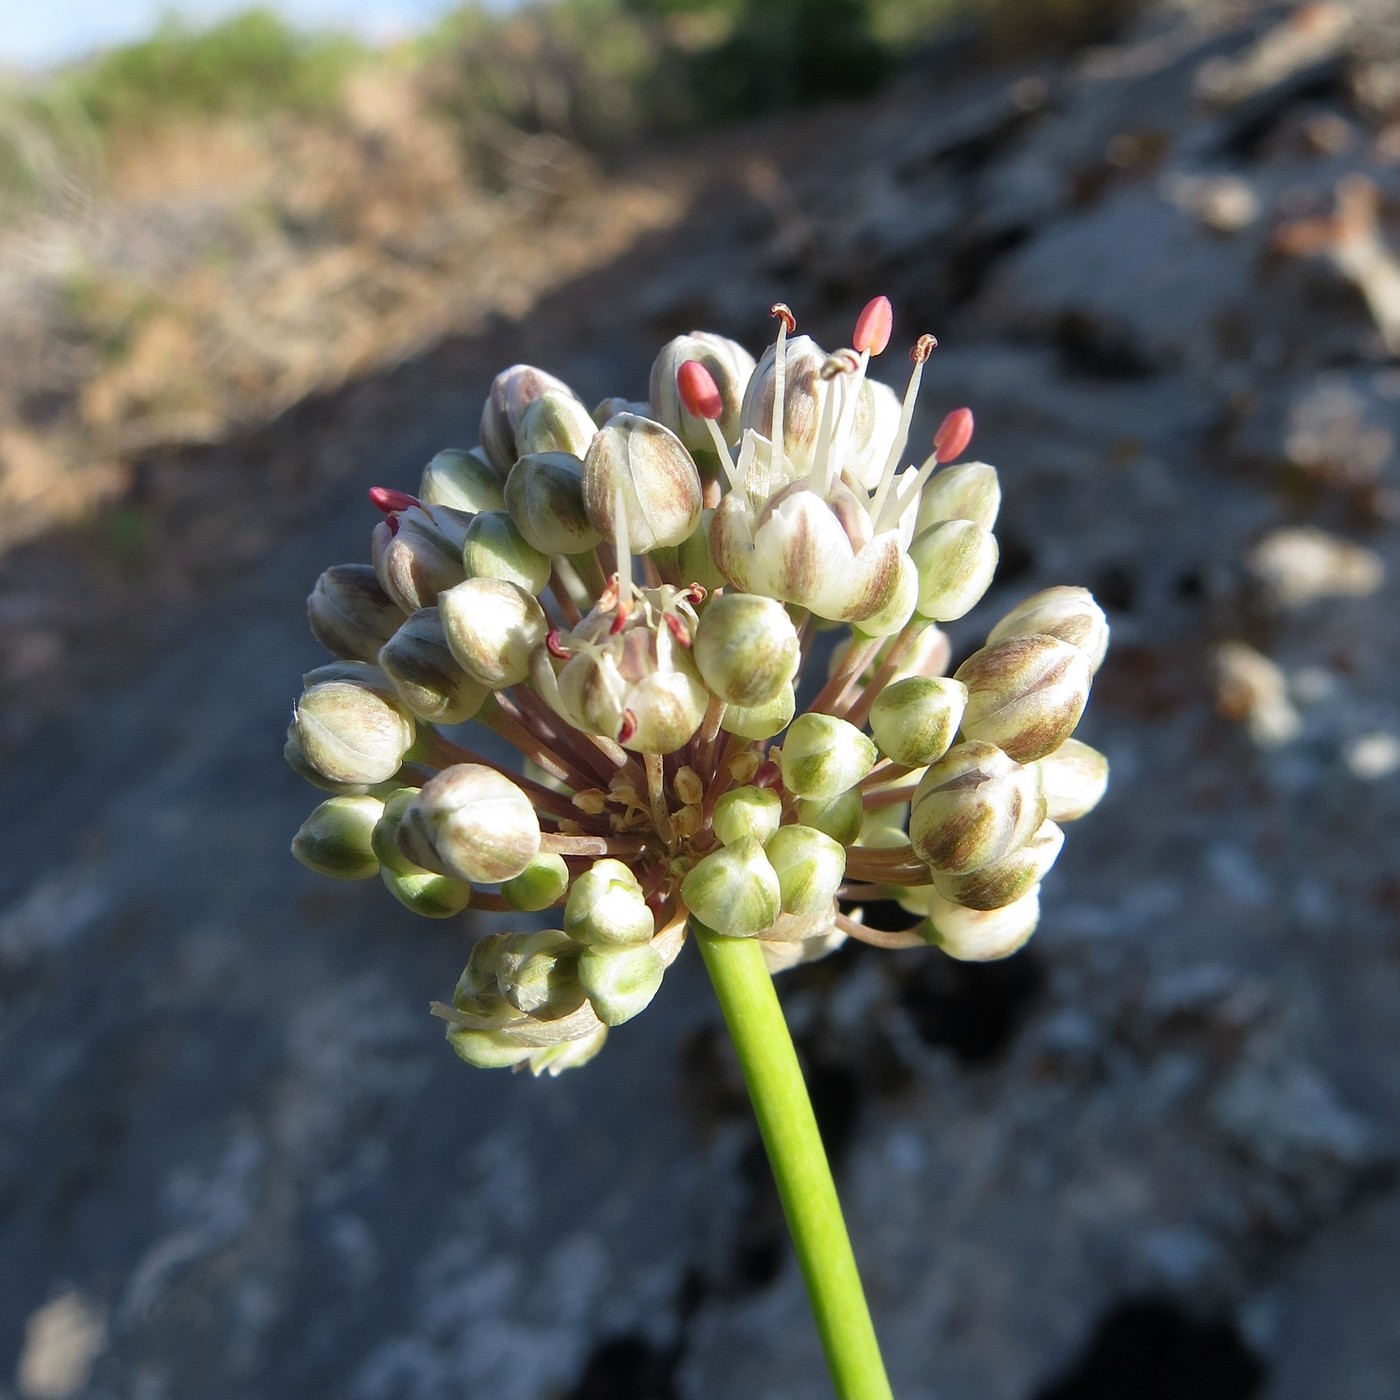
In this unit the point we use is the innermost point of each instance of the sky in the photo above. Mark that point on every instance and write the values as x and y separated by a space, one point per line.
37 33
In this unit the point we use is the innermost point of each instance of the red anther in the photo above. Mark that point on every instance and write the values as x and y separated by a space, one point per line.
768 775
696 594
556 647
620 621
628 727
873 326
678 629
699 392
953 436
388 500
784 314
924 346
392 521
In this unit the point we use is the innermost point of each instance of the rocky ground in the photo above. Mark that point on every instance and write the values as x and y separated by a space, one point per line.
1154 1154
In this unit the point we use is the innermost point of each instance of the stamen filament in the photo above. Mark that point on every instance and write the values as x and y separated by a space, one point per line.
922 350
722 452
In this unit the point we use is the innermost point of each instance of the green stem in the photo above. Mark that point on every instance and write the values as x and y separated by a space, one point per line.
789 1128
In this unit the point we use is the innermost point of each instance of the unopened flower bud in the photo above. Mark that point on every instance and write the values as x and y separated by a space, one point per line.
462 480
618 403
417 553
553 1060
1073 779
810 866
747 814
544 494
976 935
967 492
956 560
492 626
425 892
351 734
972 807
734 890
840 817
883 827
337 838
761 721
914 721
823 755
350 613
1006 880
538 973
620 982
1071 614
554 422
425 674
512 391
660 486
1025 695
298 762
746 648
494 548
606 906
729 366
539 886
472 823
900 599
487 1049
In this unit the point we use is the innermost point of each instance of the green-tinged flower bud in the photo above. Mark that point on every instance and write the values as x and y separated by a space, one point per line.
1073 779
494 548
606 906
462 480
967 492
761 721
956 560
553 1060
538 973
512 391
734 890
298 762
1006 880
620 982
425 892
478 990
487 1049
351 734
659 483
810 868
361 673
1071 614
417 553
539 886
840 817
823 755
915 720
610 407
747 814
729 365
746 648
976 935
898 607
554 422
425 674
694 562
883 827
1025 695
472 823
544 494
350 614
492 626
972 807
337 838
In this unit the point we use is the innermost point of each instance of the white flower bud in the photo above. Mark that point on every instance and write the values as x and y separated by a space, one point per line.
462 480
512 392
417 553
975 935
1071 614
620 982
761 721
350 613
746 648
544 494
840 817
494 548
492 626
956 560
967 492
900 601
337 838
487 1049
553 1060
606 906
1006 880
554 422
539 886
729 365
734 890
425 674
810 866
472 823
1025 695
538 973
351 734
914 721
659 483
972 807
425 892
747 814
823 756
1073 779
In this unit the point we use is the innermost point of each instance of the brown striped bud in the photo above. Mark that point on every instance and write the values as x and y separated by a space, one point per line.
746 648
554 422
417 553
425 674
1073 779
956 560
1071 614
492 626
914 721
350 613
1007 880
1025 695
730 367
544 494
472 823
350 733
656 476
512 391
976 935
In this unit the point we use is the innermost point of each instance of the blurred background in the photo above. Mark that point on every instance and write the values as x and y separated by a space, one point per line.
254 262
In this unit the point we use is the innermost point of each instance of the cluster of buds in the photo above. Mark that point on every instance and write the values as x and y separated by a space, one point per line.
626 598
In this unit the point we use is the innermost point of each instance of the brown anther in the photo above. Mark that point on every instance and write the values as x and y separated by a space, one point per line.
923 348
839 362
768 775
628 727
784 314
556 647
678 629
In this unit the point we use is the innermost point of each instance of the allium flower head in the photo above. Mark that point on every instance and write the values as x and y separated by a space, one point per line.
629 600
